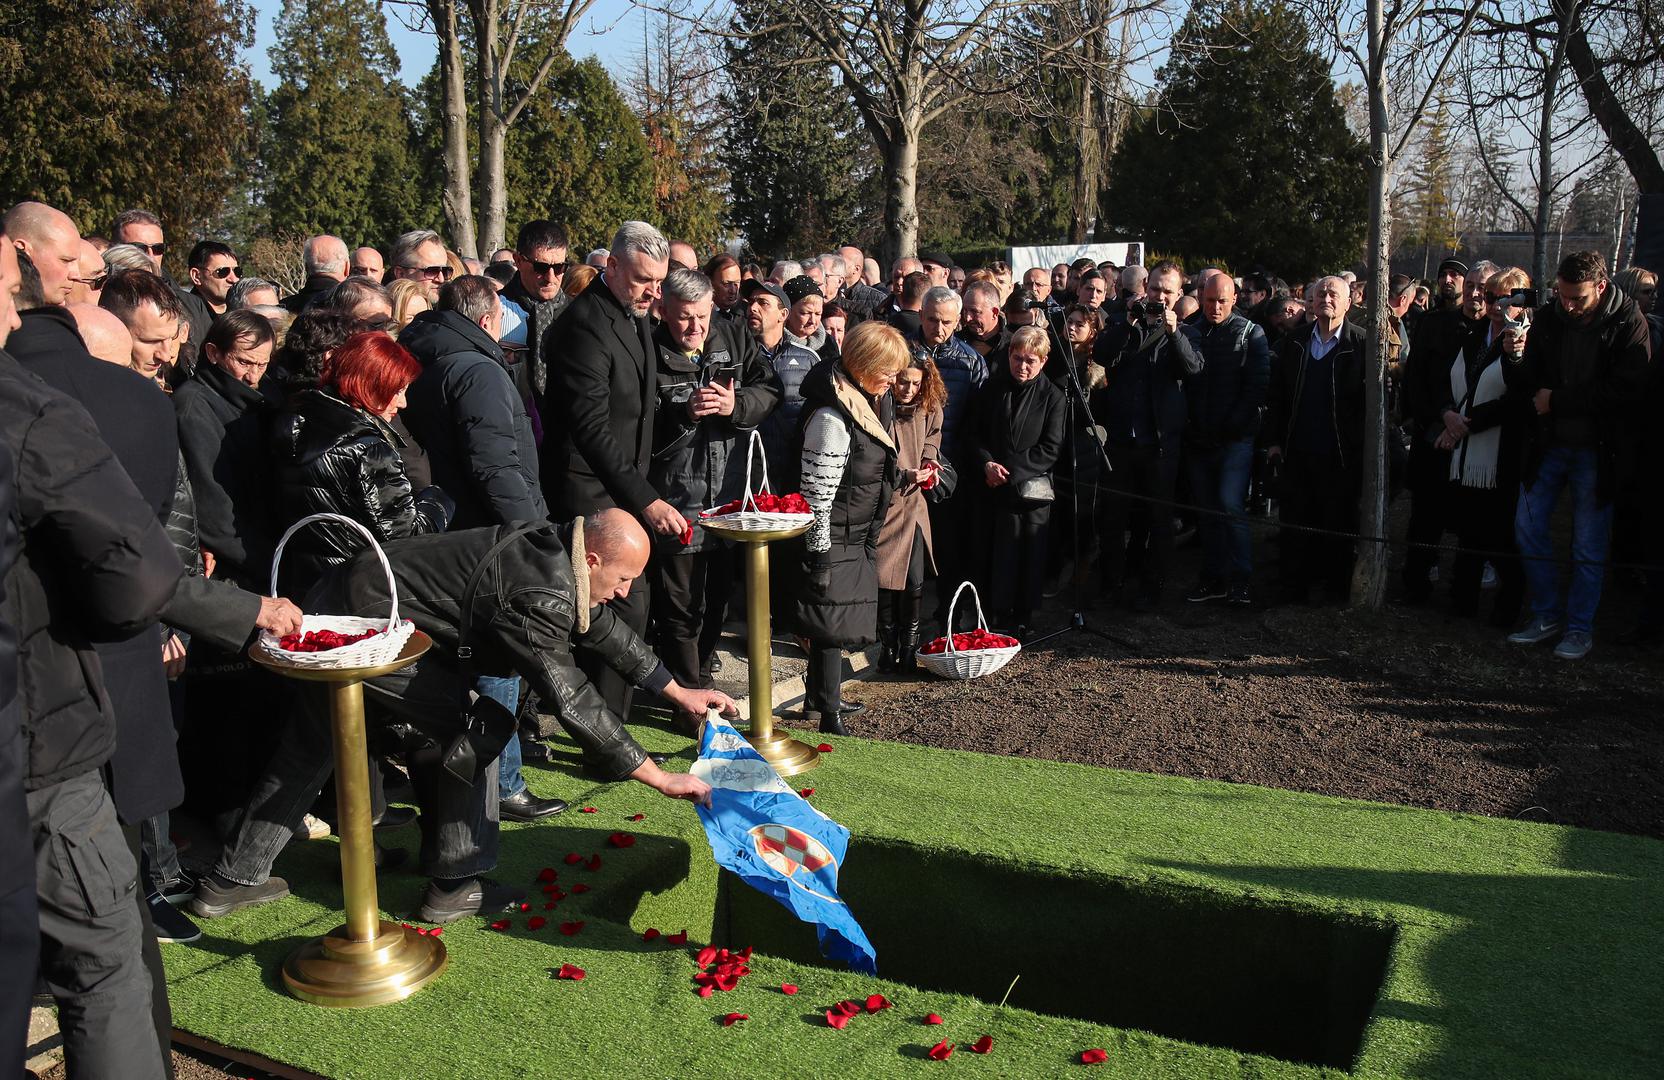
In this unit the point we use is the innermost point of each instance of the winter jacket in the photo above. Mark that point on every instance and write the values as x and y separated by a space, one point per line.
530 611
1226 396
1346 389
331 458
316 285
17 853
95 565
1610 399
1019 425
1435 342
791 364
222 431
464 411
845 611
963 374
1144 375
820 343
701 463
540 316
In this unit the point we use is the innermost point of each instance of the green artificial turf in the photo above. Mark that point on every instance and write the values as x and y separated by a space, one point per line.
1511 949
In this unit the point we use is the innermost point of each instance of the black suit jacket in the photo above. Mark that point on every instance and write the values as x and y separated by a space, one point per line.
602 389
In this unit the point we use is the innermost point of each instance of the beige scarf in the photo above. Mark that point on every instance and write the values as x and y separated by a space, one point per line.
850 396
580 574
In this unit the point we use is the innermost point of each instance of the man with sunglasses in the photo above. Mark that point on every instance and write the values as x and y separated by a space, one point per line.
143 230
89 277
540 271
419 256
213 269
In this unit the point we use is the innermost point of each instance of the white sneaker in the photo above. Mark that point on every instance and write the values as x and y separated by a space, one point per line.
1574 646
1539 631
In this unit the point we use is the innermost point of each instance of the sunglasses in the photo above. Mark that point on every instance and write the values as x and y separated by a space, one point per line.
153 249
438 273
541 268
223 272
93 283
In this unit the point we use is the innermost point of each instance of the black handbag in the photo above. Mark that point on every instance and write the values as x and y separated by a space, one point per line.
947 478
487 725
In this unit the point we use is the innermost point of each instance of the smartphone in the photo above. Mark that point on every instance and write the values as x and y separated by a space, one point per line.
723 375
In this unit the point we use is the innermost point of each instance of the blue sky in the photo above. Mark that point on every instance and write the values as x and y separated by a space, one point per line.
611 30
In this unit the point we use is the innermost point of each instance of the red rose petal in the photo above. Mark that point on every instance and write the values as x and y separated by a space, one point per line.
1093 1057
788 989
876 1002
677 938
849 1008
705 957
500 924
636 817
806 792
573 858
727 982
649 934
570 971
570 928
621 840
436 931
932 1018
837 1018
733 1018
941 1051
550 906
547 874
825 748
588 810
536 922
594 862
580 887
983 1045
706 991
525 906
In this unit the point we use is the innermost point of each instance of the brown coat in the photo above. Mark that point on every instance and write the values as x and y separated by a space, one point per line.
918 439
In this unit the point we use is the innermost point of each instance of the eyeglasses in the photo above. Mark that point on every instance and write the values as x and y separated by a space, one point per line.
93 283
435 273
153 249
542 268
223 272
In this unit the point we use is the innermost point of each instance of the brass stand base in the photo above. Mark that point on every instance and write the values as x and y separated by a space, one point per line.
336 971
786 754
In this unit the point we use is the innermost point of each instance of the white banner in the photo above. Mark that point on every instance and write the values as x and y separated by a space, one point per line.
1047 256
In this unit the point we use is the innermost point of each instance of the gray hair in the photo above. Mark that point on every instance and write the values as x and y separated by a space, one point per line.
324 255
355 291
597 258
1133 276
1484 268
941 294
118 257
1312 290
784 270
639 238
687 286
237 298
471 296
828 261
985 289
405 247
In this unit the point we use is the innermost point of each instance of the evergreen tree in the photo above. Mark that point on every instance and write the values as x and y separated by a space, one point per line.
338 156
1247 156
1427 216
802 176
674 90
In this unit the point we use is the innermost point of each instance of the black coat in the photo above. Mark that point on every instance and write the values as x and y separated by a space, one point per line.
701 463
17 853
223 432
599 409
529 612
316 285
1288 377
846 612
331 458
1162 360
533 375
96 565
464 411
1435 342
1020 426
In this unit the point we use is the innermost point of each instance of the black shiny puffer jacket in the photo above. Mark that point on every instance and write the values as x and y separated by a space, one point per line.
330 457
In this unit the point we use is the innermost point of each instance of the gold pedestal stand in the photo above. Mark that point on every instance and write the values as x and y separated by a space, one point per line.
367 961
786 754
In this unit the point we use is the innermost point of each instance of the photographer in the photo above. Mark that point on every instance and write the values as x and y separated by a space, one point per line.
714 387
1142 410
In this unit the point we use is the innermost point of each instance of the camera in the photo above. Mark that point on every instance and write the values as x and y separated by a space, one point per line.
1516 309
1153 310
1030 300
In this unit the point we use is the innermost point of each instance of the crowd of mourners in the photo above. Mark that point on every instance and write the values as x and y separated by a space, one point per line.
531 441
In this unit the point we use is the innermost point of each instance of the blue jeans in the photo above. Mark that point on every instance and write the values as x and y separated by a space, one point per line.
1591 537
506 692
1219 481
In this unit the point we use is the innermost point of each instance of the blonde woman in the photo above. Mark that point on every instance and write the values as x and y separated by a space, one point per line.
408 300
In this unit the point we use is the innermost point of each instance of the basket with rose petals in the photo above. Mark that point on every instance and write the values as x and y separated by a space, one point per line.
759 510
972 655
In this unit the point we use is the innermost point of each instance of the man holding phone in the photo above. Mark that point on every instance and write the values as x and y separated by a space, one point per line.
714 387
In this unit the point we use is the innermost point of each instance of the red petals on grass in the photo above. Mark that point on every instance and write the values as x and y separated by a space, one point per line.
580 887
1093 1057
730 968
876 1002
849 1008
932 1018
677 939
571 971
500 924
536 922
837 1018
788 989
573 858
636 817
824 748
649 934
622 839
983 1045
805 792
733 1018
525 906
546 875
571 928
594 862
588 810
941 1051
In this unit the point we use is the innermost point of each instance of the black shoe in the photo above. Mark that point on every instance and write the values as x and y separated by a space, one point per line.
216 897
524 806
1207 592
1239 596
850 708
590 772
888 647
834 726
180 889
715 664
445 902
171 924
396 817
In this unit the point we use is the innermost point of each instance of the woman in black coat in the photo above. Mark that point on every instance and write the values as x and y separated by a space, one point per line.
1018 436
334 451
849 472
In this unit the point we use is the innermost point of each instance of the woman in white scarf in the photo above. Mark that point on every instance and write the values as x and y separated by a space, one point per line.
1482 429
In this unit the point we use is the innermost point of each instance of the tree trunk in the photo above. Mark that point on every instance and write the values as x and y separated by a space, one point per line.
489 110
1089 136
901 176
457 199
1545 144
1369 578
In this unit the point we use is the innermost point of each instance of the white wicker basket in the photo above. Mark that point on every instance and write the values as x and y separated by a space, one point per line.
373 651
743 520
953 663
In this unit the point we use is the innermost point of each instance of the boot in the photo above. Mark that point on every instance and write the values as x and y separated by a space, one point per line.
907 650
887 635
831 724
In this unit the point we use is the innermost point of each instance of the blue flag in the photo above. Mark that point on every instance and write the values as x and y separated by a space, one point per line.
763 831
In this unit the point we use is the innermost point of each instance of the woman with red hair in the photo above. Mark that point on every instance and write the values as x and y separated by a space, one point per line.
335 451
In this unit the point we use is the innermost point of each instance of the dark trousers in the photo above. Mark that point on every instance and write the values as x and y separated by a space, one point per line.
1317 492
690 601
1429 482
1140 471
92 935
823 684
614 689
160 1011
1018 558
19 953
1484 521
458 821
